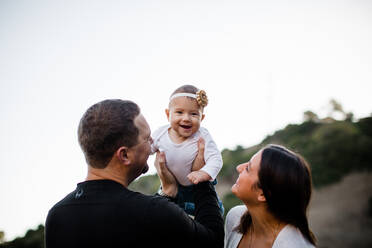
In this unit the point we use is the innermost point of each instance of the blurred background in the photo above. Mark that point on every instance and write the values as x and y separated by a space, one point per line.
296 73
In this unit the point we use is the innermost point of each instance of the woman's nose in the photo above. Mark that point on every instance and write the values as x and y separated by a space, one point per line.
239 168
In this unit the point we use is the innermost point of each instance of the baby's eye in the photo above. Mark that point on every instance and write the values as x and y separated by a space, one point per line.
179 112
195 114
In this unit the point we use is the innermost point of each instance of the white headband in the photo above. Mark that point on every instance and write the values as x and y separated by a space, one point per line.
182 94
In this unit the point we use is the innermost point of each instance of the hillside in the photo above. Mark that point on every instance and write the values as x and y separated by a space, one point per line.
339 153
340 214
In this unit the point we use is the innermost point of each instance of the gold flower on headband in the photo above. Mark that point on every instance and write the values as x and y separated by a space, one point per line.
202 98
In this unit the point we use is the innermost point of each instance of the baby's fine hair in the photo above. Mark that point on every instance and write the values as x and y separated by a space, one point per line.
199 95
187 88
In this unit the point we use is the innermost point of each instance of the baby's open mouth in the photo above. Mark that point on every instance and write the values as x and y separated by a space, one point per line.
185 126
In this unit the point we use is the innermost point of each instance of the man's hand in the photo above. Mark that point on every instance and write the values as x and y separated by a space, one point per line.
168 181
198 176
199 159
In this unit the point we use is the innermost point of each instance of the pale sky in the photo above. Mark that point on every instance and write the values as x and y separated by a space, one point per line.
262 63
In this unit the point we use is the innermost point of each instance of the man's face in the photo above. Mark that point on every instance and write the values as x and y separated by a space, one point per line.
142 149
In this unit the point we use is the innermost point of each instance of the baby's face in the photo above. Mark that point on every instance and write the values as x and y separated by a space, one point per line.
184 115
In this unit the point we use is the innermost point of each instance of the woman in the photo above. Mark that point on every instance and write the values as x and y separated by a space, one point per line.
275 186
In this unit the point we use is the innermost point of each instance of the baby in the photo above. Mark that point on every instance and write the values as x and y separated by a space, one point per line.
180 139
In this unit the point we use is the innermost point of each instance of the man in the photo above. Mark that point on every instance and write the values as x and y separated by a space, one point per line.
103 212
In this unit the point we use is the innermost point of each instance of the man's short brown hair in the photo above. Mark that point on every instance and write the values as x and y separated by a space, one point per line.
105 127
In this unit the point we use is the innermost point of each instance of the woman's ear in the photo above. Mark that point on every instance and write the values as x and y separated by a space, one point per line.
261 197
122 155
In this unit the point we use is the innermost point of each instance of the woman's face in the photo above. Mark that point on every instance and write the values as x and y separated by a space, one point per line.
245 187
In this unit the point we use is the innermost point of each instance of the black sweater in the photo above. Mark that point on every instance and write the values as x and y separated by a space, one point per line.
103 213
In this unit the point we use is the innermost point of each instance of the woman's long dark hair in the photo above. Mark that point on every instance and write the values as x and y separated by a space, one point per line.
285 180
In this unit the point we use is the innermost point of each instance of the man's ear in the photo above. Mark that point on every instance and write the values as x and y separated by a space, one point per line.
122 155
167 113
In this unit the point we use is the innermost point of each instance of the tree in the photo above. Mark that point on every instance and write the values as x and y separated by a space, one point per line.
349 116
310 116
32 239
336 109
2 237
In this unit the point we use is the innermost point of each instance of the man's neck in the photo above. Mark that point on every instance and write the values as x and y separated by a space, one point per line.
105 174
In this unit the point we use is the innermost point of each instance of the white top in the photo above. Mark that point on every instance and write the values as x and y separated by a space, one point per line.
288 237
180 157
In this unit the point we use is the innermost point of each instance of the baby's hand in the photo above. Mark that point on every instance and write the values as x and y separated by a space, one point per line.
198 176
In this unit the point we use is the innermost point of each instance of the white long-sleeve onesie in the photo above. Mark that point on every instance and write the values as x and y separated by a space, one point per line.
180 157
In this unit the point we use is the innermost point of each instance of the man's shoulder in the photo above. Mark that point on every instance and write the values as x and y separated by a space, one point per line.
115 195
140 199
65 200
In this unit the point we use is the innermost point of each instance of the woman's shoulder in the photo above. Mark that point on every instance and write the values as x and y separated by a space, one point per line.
237 211
291 237
234 215
232 237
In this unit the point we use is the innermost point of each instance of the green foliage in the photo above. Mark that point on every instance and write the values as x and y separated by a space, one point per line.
310 116
32 239
333 152
230 201
293 136
2 237
147 185
232 158
333 149
365 126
